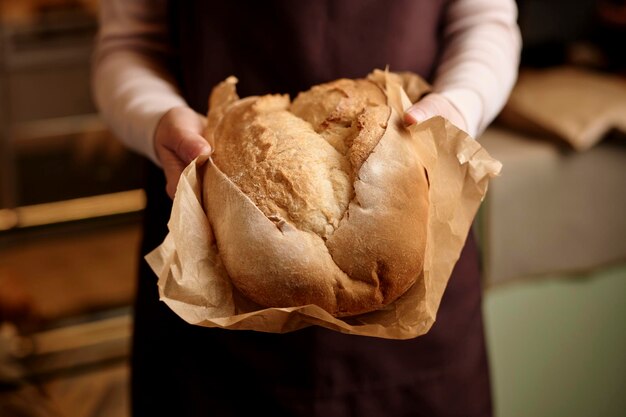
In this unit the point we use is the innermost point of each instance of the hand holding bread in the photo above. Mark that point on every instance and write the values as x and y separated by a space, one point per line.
433 105
178 141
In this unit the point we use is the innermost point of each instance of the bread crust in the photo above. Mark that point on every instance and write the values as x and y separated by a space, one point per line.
319 201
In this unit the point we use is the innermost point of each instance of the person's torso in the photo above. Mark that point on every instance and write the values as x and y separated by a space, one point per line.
286 46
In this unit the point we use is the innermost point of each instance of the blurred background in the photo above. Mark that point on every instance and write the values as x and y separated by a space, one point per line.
552 229
70 203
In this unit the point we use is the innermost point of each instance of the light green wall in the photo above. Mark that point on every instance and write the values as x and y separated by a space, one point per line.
558 346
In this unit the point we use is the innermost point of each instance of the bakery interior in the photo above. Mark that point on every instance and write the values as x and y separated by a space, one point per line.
551 229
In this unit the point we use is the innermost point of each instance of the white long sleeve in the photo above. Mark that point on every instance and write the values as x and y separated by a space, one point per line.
131 87
480 60
477 69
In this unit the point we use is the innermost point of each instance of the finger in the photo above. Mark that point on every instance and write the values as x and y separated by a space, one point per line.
170 188
434 105
424 109
192 146
415 114
172 168
187 145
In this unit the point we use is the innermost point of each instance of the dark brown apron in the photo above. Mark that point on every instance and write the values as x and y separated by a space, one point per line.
183 370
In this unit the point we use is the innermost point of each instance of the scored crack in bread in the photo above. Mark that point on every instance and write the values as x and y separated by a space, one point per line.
279 162
351 115
299 164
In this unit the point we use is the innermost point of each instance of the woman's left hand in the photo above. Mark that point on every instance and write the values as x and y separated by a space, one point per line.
434 105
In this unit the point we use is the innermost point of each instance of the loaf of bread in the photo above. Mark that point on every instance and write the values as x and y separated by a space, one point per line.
323 217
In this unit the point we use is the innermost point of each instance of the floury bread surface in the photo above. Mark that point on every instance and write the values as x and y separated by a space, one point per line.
322 218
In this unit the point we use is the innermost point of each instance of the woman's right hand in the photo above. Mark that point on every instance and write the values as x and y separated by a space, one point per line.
178 140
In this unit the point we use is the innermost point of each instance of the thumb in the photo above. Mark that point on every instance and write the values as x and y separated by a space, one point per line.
416 114
433 105
190 145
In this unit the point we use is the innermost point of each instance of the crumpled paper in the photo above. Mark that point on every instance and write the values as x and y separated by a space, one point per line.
195 285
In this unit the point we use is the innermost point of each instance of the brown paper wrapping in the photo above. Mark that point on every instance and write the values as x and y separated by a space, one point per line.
194 284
